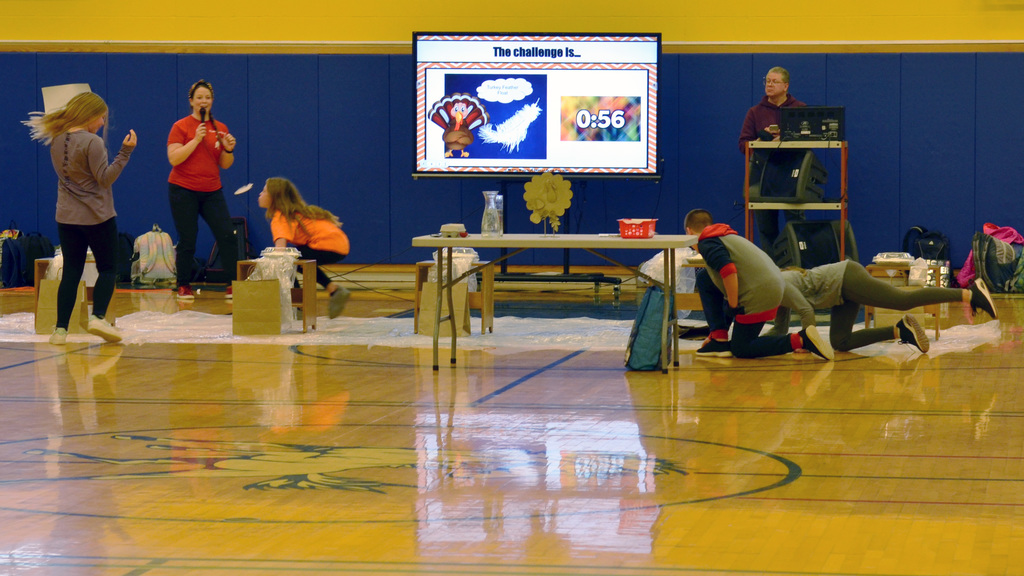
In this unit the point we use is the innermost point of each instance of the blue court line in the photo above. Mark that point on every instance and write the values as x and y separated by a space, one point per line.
25 363
519 381
41 358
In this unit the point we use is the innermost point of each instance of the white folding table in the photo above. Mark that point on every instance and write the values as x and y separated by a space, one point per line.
592 243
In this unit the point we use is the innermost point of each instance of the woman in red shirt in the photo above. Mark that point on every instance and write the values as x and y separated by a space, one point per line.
314 231
198 148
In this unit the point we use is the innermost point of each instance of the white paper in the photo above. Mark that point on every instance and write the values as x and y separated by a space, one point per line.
55 97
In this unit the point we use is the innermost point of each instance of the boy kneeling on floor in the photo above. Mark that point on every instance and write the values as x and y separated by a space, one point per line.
741 286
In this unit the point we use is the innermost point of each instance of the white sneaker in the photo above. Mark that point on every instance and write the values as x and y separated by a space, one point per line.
912 333
59 337
103 329
336 303
814 343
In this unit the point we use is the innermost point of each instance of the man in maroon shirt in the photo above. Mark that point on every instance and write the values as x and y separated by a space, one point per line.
768 166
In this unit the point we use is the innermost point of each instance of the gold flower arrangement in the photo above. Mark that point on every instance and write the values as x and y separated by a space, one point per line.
549 196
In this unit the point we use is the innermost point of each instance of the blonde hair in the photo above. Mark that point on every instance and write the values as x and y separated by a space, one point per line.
285 198
78 112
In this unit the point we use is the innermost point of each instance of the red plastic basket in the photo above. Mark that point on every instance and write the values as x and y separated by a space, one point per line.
637 227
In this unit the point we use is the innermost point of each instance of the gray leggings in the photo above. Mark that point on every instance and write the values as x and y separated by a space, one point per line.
861 289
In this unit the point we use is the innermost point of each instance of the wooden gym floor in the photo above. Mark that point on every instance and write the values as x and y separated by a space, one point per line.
212 458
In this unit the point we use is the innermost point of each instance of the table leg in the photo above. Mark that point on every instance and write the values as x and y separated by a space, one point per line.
674 318
451 304
310 306
437 305
422 273
487 297
666 346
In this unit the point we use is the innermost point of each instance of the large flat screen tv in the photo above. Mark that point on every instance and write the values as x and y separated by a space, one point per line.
523 104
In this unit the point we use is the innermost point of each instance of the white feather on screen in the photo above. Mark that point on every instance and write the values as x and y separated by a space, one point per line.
513 131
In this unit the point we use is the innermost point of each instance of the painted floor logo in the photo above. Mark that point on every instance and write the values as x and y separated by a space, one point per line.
124 474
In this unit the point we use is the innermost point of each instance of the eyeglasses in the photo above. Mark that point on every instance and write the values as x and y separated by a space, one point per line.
771 81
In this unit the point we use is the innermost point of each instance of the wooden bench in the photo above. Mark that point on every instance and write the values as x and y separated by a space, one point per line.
482 300
39 273
302 298
899 275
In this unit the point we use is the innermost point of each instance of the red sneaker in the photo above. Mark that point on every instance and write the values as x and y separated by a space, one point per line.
186 293
227 293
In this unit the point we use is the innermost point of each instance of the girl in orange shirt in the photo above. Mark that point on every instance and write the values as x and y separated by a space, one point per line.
315 232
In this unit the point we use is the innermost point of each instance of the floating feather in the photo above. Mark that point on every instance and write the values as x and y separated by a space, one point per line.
511 133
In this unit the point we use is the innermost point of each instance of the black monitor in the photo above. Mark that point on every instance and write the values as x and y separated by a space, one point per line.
813 123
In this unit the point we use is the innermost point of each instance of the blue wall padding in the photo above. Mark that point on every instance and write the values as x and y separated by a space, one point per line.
933 141
999 141
869 86
19 197
937 145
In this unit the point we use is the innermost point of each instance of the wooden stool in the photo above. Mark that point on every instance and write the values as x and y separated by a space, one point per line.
482 300
898 275
689 300
45 321
302 298
39 272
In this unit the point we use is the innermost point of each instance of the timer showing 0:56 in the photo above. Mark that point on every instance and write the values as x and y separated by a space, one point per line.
603 119
600 118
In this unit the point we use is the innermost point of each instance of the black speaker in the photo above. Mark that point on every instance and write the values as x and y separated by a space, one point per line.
812 243
215 272
788 176
810 176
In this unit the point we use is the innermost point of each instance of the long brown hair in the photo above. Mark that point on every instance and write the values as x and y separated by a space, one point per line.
285 198
79 111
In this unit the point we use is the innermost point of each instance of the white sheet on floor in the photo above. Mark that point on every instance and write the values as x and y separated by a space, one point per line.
509 332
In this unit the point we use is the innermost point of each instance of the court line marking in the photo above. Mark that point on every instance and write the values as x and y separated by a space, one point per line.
523 379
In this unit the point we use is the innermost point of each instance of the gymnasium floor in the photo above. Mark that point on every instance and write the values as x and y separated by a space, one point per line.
216 456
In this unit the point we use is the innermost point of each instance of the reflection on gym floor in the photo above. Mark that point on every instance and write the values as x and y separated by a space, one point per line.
209 457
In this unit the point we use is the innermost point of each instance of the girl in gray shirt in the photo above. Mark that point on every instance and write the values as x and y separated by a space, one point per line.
85 204
845 286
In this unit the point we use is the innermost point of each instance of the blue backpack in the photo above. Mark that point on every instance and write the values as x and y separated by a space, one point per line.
643 352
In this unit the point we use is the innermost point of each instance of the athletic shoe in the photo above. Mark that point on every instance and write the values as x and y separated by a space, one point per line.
59 337
911 332
186 293
815 344
716 348
227 293
337 302
103 329
980 298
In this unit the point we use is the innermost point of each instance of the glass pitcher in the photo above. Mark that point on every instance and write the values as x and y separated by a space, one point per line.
493 220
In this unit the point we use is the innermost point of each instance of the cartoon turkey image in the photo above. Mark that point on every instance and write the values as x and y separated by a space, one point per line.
458 114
